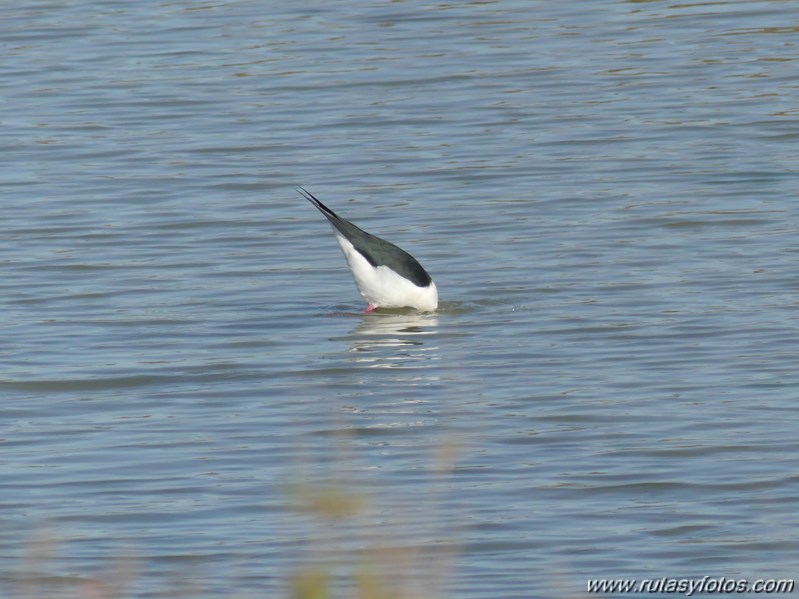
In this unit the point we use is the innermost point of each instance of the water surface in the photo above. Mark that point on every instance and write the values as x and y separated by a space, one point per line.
604 193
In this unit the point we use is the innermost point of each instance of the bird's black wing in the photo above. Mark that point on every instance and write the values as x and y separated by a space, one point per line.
378 252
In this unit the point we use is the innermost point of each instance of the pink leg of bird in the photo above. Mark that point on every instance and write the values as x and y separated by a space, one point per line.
370 308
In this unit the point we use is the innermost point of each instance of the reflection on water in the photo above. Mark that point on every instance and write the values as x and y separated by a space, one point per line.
395 341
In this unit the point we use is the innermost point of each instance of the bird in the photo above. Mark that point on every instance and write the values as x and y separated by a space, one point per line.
386 276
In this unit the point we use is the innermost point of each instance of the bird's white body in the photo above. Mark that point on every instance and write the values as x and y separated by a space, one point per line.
382 287
386 275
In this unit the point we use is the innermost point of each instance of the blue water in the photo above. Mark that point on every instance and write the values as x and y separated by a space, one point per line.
604 193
